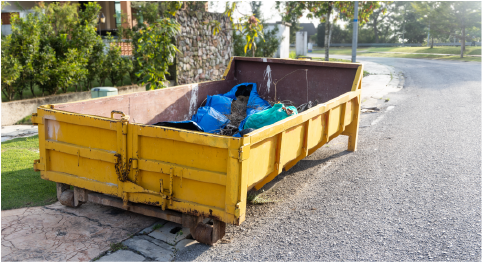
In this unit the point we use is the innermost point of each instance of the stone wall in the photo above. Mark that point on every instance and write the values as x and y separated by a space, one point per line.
203 56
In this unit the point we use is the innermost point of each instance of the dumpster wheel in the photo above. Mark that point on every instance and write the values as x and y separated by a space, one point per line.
209 234
66 196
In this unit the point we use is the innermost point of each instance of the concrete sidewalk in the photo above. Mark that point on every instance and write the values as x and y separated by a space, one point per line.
16 131
382 79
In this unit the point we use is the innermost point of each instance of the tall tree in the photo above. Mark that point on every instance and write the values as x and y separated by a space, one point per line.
450 18
327 12
380 21
432 14
464 15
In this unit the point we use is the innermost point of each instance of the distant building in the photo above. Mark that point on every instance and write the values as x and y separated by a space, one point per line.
309 28
283 34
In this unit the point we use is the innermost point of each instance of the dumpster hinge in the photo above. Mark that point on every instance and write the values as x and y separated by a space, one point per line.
244 153
37 166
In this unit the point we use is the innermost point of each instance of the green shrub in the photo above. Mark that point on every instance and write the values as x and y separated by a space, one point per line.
292 54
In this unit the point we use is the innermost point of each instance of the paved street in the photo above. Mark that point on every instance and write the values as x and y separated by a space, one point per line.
410 192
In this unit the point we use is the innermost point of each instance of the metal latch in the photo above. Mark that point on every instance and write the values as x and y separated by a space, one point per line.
36 120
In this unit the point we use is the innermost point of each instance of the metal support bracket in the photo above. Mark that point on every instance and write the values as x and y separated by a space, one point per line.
37 166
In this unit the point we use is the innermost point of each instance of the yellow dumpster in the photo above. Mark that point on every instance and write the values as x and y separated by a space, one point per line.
109 151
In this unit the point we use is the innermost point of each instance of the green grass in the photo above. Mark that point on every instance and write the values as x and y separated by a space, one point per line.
437 57
256 198
331 59
117 246
28 94
21 186
25 121
410 52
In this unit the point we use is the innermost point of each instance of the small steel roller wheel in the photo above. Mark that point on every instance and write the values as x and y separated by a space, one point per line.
209 234
66 196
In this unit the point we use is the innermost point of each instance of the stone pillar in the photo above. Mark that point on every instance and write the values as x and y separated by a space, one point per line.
301 43
284 33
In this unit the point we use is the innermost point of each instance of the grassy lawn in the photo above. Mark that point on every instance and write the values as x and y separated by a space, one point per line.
28 94
409 52
331 59
21 186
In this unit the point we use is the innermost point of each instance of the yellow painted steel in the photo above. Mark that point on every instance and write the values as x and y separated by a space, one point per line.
196 173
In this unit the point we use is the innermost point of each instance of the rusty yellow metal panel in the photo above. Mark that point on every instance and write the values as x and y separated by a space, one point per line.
317 128
334 121
292 145
192 172
262 160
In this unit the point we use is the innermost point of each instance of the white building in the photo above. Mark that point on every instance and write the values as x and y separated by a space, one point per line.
284 35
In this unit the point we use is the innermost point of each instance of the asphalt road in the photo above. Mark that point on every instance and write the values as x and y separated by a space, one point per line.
412 191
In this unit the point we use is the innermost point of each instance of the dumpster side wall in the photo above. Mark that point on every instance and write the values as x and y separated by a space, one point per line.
169 104
299 83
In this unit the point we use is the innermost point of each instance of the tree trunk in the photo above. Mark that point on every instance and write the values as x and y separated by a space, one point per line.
6 94
462 46
431 45
31 89
11 96
327 34
375 30
329 37
252 49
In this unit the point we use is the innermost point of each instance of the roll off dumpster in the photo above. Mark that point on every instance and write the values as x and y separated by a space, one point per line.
109 151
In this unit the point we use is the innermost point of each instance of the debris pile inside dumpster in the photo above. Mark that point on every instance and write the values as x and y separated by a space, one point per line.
238 112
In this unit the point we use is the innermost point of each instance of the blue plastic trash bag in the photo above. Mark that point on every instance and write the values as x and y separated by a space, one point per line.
210 120
269 116
221 103
255 103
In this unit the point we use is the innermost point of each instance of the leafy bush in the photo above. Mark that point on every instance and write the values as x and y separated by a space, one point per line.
293 55
54 48
266 47
153 46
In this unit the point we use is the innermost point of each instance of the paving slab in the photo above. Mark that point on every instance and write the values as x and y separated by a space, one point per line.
170 233
58 233
123 255
148 230
149 249
157 242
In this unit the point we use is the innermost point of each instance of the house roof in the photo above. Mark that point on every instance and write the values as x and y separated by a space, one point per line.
308 27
